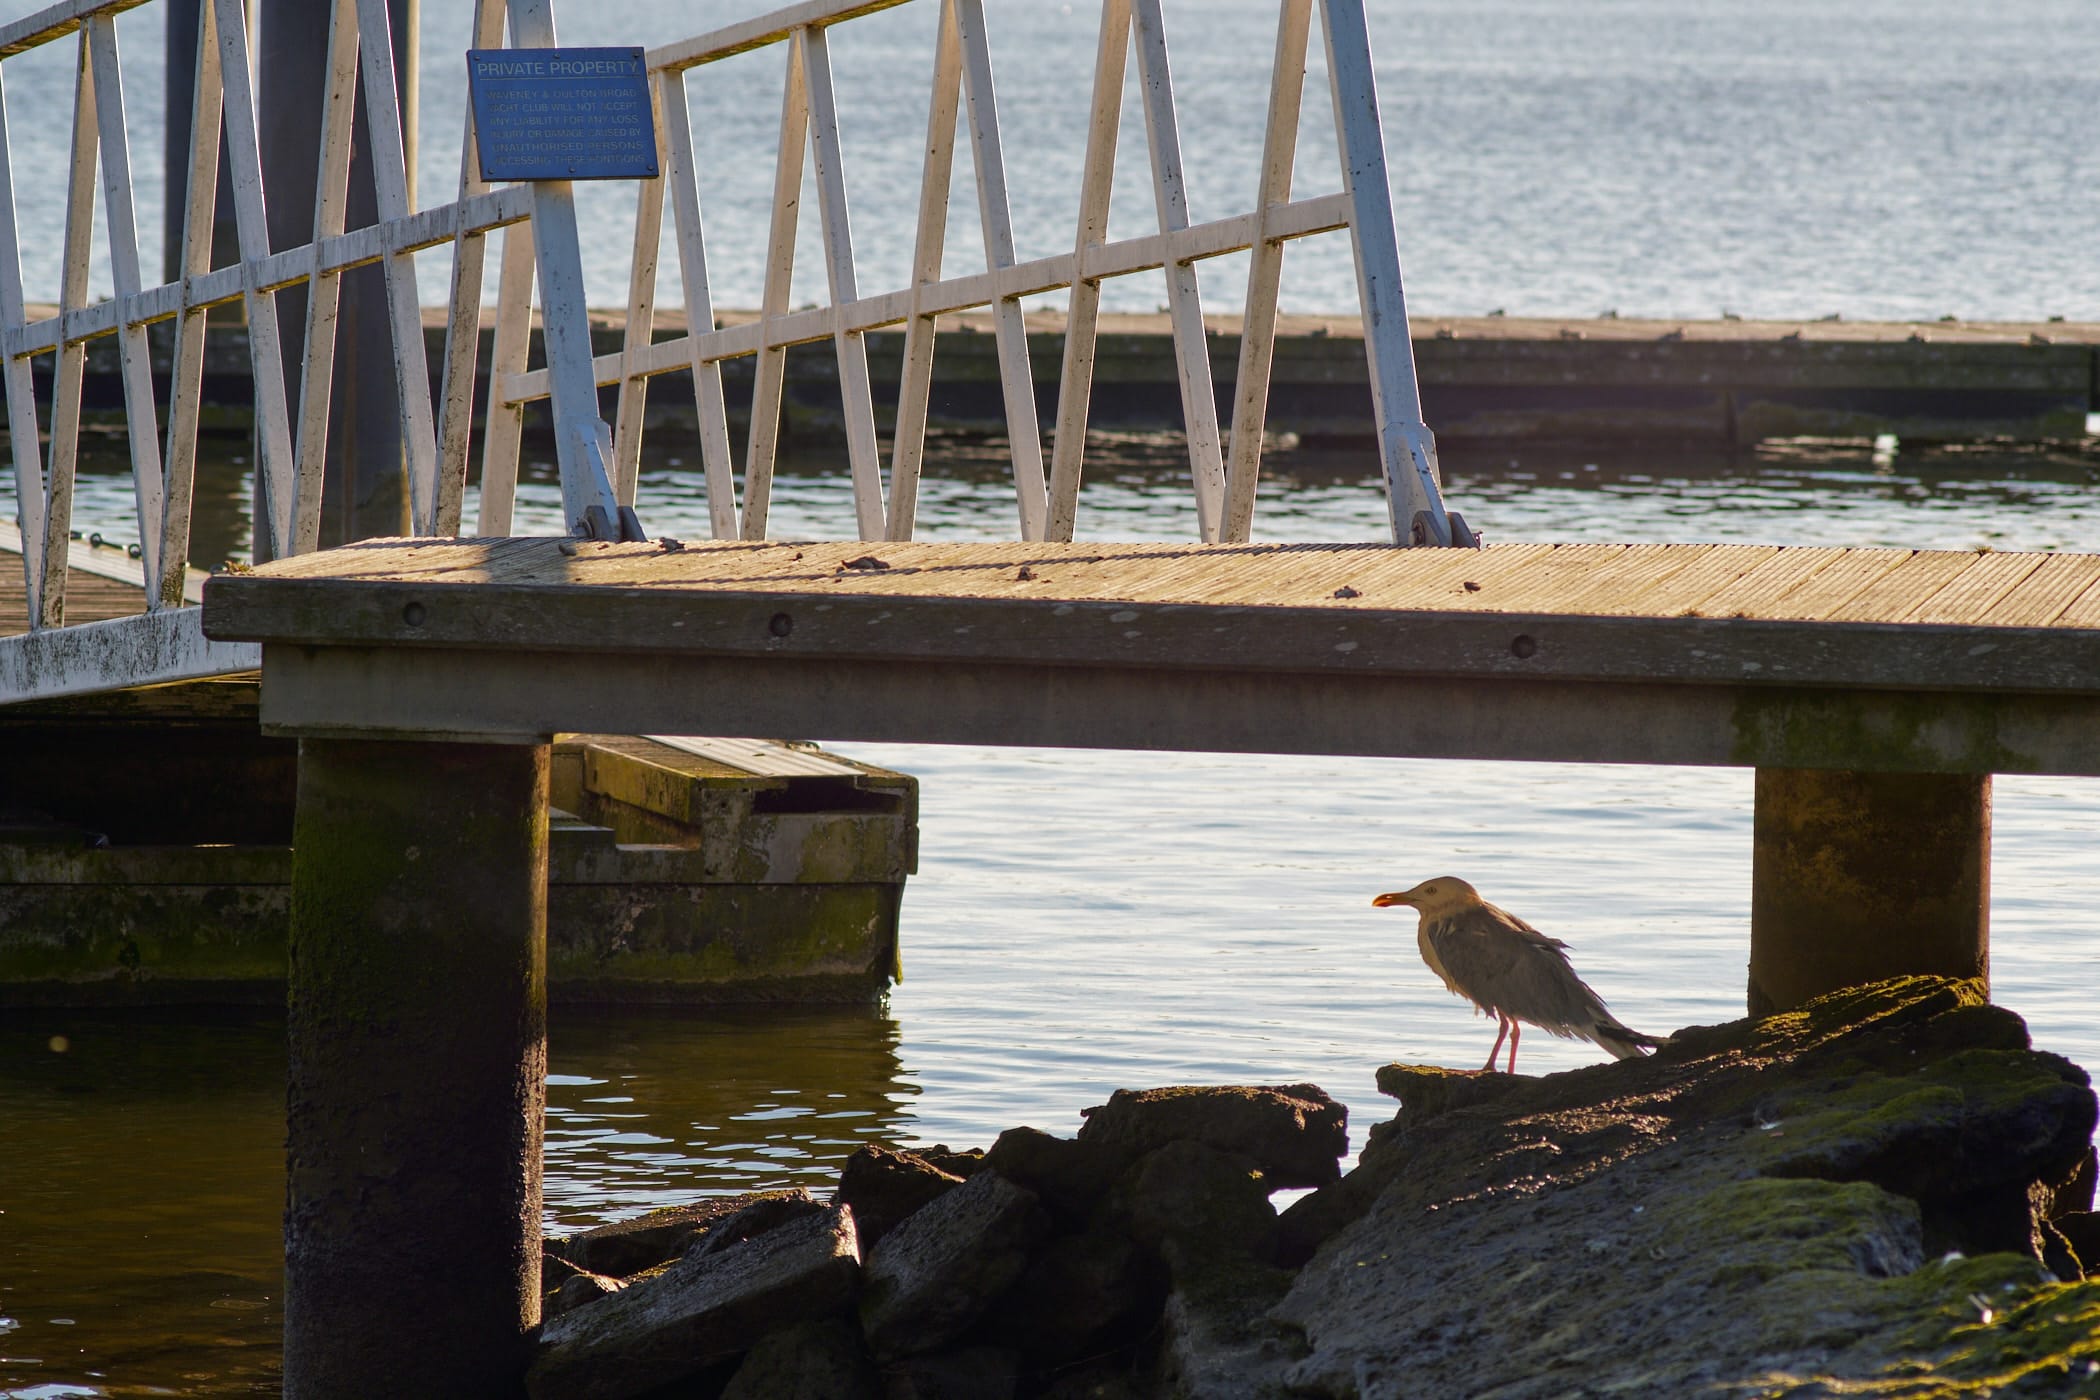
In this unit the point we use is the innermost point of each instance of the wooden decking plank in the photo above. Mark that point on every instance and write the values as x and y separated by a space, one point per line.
1433 578
1756 581
767 758
1311 575
1971 593
2083 611
1278 571
1569 571
1522 584
1640 568
89 598
2041 597
1770 581
1829 589
1681 592
1891 597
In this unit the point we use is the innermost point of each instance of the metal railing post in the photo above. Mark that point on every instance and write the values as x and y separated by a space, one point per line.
1406 448
589 504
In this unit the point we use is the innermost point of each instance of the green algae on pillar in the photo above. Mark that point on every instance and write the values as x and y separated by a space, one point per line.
417 1021
1857 877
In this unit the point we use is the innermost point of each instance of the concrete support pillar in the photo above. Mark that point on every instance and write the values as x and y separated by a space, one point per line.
417 1020
1860 876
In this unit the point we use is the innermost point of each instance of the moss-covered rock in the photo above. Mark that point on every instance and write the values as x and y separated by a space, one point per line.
1846 1199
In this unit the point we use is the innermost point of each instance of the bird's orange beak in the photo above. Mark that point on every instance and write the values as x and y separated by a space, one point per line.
1387 900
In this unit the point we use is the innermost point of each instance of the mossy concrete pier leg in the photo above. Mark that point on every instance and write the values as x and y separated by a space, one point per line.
418 1003
1861 876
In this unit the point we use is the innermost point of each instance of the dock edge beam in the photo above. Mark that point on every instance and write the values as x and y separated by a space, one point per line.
1861 876
418 1034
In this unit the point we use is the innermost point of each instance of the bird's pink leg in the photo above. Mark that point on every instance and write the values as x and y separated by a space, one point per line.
1514 1031
1502 1027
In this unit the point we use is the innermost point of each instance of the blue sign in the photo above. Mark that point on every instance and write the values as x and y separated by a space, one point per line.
562 114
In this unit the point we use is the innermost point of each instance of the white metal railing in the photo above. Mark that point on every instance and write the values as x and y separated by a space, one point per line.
1224 479
599 465
291 440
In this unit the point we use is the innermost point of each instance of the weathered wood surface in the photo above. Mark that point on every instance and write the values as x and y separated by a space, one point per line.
1865 617
89 598
1882 660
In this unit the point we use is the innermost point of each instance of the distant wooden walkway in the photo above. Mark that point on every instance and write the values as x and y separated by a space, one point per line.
1859 659
1512 379
99 584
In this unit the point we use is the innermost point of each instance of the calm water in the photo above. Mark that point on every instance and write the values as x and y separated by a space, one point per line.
1081 922
1883 158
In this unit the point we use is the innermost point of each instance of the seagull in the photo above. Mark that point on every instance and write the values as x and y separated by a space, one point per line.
1503 965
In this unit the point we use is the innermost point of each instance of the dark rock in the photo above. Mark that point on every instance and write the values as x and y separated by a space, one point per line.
1425 1092
629 1246
767 1210
822 1359
699 1312
1295 1134
1220 1341
2080 1231
1193 1204
975 1373
1312 1219
1966 1142
2058 1256
1071 1176
1429 1090
962 1164
2074 1194
1757 1200
885 1186
944 1267
576 1290
554 1270
1102 1381
1082 1295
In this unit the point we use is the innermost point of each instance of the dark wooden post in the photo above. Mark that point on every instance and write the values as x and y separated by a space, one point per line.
367 479
180 102
418 1004
1860 876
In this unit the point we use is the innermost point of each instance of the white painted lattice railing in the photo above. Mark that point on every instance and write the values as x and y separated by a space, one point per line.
1224 480
291 439
598 465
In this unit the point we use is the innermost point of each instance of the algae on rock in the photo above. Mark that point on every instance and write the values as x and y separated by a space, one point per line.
1786 1206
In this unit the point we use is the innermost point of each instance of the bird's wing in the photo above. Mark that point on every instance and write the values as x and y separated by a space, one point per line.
1506 965
1504 916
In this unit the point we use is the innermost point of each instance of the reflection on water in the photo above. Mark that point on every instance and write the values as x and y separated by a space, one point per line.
143 1169
142 1178
648 1108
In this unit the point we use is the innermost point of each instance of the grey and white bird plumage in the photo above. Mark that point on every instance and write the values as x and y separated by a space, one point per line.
1509 969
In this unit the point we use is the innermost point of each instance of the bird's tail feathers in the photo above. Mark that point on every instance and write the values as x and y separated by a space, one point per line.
1624 1042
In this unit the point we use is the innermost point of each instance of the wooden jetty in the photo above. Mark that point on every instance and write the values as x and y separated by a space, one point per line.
1898 680
1624 381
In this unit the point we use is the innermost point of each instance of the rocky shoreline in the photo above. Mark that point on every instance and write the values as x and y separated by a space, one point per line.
1888 1192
